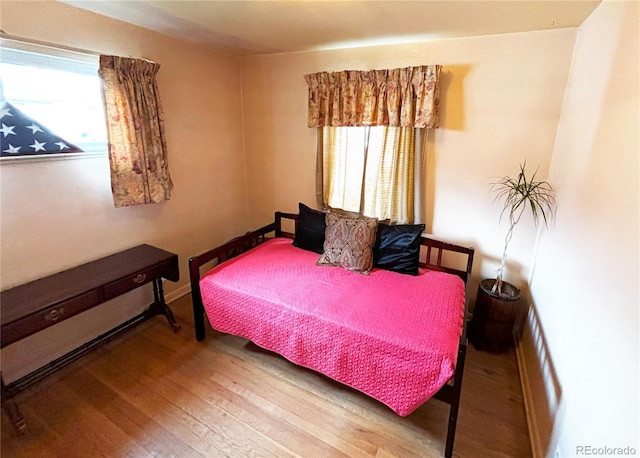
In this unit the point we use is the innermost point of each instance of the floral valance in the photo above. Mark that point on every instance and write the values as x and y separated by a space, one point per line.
402 97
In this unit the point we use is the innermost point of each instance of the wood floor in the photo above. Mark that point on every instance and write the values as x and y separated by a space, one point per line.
153 392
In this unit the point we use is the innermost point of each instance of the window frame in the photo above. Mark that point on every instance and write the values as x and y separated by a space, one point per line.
58 58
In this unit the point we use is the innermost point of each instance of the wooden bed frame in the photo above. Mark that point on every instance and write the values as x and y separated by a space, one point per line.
431 257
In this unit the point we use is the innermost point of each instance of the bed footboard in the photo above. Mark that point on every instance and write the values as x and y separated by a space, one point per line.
226 251
434 258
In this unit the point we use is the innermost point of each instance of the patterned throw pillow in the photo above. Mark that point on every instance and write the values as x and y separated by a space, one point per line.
348 243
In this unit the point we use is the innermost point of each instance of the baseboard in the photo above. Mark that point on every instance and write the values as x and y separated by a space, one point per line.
532 425
541 389
177 293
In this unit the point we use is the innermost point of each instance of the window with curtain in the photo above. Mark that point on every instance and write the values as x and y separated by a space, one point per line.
371 132
372 171
51 106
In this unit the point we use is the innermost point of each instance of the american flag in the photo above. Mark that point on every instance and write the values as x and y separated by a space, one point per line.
21 135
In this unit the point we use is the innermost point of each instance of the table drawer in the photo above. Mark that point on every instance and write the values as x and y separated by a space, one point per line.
133 281
30 324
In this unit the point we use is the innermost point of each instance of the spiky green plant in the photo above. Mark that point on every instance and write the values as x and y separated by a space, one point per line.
517 195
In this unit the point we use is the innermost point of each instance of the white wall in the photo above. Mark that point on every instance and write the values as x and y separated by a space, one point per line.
58 214
586 282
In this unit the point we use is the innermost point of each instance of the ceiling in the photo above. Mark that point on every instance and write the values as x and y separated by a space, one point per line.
275 26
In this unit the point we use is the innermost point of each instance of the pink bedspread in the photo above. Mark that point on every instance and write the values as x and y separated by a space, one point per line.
392 336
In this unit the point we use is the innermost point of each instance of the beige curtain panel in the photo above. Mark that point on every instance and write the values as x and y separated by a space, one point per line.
402 97
374 180
135 127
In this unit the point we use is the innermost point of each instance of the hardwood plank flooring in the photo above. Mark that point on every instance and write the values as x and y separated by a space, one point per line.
152 392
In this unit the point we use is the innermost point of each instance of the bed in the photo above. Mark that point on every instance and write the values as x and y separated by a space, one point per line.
398 338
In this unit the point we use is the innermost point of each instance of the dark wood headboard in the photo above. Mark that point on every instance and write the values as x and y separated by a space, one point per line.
433 256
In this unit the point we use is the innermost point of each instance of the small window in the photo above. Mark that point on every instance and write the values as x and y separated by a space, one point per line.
50 102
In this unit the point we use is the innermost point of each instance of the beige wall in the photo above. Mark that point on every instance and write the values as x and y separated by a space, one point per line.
501 100
586 282
57 214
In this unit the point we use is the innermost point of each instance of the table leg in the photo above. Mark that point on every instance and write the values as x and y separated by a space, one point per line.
10 406
158 294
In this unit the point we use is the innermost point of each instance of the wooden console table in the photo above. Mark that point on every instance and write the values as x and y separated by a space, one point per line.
34 306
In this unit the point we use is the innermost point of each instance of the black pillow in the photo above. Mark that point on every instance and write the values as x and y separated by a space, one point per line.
397 247
310 229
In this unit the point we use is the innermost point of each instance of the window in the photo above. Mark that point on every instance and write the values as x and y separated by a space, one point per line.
50 102
371 170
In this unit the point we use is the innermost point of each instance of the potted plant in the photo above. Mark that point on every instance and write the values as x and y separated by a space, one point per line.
518 195
496 304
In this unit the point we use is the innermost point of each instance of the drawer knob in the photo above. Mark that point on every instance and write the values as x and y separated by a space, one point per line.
54 315
139 278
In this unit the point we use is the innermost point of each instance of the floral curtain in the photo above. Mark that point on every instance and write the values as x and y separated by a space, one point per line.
402 97
137 146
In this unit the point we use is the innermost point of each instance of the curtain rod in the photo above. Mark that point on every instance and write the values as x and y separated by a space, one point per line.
8 36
